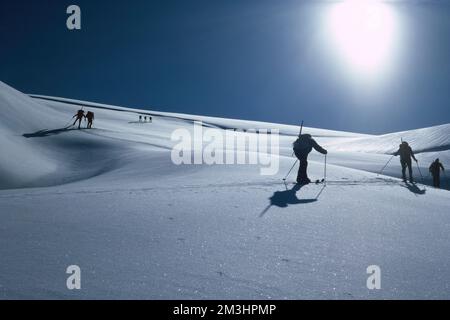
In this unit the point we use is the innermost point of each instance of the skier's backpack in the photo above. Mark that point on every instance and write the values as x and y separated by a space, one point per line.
434 168
302 144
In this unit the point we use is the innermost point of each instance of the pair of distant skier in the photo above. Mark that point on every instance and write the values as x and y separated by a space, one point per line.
305 143
80 115
405 152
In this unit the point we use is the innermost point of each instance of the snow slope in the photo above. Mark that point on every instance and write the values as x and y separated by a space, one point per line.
353 150
111 201
424 140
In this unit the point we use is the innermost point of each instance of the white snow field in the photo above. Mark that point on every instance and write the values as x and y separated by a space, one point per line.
111 201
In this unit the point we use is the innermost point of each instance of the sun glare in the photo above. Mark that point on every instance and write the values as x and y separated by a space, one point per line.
363 33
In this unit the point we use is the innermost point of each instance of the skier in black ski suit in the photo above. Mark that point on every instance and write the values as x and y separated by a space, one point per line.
90 118
79 116
302 147
405 152
435 170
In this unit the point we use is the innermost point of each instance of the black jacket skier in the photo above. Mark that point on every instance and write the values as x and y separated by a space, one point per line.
405 152
79 116
90 119
435 170
302 147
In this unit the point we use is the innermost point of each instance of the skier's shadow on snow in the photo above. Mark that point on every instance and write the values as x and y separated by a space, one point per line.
283 199
46 132
414 188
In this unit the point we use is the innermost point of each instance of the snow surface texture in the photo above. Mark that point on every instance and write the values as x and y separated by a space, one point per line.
110 201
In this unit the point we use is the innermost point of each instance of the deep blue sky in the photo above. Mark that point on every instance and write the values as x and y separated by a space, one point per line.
253 59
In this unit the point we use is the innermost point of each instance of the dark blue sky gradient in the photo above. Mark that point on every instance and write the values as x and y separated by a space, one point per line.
253 59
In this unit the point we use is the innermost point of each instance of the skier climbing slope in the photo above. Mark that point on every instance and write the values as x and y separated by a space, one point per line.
302 147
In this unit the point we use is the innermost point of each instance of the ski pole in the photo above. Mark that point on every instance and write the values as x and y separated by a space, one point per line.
390 159
445 175
290 170
301 129
325 171
420 172
68 123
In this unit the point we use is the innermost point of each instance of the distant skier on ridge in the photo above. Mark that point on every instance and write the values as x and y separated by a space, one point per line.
302 147
405 152
79 116
435 170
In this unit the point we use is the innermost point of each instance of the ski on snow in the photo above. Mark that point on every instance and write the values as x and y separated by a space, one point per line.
318 181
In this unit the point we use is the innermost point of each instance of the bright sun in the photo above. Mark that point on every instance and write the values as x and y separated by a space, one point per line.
364 33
